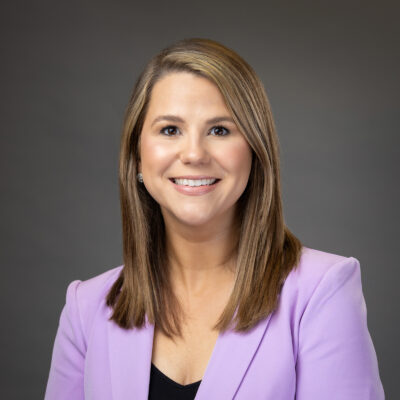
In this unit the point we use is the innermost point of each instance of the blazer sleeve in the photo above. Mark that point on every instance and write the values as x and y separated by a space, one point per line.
67 365
336 358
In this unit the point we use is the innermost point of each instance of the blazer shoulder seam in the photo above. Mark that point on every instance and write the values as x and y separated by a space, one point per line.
98 300
323 277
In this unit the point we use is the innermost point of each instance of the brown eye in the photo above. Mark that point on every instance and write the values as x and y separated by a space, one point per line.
219 131
169 130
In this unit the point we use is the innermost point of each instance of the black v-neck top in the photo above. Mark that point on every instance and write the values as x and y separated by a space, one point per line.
164 388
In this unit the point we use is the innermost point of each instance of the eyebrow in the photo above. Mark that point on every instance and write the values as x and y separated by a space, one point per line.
175 118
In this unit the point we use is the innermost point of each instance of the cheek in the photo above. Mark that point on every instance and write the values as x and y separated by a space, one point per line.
236 159
155 156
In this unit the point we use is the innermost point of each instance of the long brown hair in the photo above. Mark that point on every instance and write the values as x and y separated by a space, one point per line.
267 250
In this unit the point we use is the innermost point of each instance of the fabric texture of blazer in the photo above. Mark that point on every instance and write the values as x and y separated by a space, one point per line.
315 346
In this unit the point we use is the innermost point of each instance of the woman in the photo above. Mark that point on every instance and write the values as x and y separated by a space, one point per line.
216 299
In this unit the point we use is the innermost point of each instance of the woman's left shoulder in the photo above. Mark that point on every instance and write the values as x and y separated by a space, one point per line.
316 267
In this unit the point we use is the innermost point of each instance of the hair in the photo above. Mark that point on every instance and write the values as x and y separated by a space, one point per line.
267 251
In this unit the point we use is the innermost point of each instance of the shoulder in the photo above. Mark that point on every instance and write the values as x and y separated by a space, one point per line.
84 298
323 302
91 290
318 269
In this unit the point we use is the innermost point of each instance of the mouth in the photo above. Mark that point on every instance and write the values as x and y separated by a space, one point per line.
194 182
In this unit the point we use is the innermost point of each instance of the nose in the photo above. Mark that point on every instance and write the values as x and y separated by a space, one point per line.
194 150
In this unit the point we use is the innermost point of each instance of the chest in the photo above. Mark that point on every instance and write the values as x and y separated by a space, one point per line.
186 359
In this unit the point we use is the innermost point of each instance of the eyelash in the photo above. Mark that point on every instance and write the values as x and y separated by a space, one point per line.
214 127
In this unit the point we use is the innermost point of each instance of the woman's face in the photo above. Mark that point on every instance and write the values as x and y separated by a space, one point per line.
194 160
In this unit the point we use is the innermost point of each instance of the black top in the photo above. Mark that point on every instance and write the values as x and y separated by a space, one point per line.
164 388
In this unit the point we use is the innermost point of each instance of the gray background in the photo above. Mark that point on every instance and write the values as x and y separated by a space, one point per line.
67 69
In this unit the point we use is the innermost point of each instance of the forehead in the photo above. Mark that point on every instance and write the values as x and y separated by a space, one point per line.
184 90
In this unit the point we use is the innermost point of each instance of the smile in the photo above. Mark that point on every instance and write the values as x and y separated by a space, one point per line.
194 182
194 186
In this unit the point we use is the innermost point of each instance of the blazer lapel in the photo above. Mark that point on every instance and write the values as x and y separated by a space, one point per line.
231 357
130 360
130 354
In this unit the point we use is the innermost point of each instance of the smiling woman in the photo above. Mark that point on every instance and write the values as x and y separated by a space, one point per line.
216 299
194 157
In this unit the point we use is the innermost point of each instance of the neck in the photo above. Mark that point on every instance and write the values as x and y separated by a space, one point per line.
202 258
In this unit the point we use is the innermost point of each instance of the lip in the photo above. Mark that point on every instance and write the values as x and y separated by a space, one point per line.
193 177
194 190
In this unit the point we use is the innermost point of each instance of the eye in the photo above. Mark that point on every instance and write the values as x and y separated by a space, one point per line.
219 131
169 130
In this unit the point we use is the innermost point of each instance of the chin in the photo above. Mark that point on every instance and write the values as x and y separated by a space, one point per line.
198 215
193 217
194 220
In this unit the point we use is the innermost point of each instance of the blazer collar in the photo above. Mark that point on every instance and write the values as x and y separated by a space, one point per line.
130 353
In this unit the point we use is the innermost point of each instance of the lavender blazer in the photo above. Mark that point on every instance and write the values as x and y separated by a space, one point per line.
315 346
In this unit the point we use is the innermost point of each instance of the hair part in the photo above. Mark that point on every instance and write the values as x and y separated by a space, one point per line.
267 250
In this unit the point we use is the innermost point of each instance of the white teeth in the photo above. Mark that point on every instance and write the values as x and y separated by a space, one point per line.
194 182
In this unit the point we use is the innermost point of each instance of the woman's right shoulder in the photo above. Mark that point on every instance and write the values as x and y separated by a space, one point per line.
85 298
93 289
